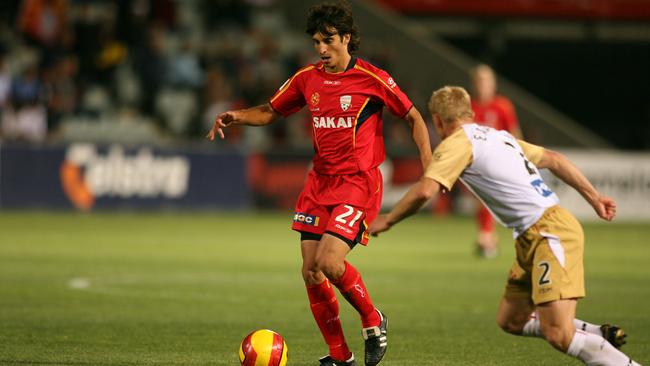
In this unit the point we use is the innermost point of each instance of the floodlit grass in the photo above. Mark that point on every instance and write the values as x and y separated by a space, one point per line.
185 288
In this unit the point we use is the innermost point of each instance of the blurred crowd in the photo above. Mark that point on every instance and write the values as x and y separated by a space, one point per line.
143 71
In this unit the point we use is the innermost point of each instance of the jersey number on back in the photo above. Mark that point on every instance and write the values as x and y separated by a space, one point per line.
529 168
538 184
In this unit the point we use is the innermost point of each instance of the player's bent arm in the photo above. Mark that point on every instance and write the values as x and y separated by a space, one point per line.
417 195
260 115
564 169
420 135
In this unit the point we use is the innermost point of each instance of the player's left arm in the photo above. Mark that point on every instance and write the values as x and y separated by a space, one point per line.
413 200
420 135
399 105
564 169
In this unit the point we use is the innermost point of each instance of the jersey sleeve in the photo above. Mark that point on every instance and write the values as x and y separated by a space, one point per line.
388 92
289 98
533 153
450 159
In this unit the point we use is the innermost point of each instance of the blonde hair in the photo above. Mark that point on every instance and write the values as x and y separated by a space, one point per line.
451 103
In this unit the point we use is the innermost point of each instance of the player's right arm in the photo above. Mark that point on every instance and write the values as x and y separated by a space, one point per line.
410 203
260 115
449 161
564 169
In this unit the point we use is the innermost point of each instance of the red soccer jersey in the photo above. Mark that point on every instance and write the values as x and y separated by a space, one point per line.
498 114
346 110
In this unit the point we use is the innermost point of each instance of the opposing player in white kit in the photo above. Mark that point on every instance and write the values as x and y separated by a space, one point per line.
547 276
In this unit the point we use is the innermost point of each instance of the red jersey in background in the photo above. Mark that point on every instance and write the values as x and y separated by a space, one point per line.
498 114
346 110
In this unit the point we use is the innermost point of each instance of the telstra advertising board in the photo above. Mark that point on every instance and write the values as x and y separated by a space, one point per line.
88 176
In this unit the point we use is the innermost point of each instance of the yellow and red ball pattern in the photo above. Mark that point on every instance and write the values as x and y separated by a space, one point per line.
263 348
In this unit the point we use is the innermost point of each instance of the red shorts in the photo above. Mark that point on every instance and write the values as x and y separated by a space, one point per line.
341 205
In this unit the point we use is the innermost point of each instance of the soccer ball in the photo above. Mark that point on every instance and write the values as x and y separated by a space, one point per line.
263 348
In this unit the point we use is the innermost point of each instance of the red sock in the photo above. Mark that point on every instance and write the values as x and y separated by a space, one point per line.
352 288
485 220
325 308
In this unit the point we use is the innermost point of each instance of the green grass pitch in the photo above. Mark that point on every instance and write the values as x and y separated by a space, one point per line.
185 288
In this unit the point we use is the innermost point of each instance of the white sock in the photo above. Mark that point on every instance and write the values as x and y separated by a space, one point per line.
577 343
594 350
587 327
532 328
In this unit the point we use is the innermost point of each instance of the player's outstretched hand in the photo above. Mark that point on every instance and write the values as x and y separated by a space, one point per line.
222 121
379 225
605 207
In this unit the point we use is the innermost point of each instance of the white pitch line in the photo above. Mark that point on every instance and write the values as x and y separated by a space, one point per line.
79 283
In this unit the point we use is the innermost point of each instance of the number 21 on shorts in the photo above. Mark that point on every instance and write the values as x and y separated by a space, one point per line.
344 218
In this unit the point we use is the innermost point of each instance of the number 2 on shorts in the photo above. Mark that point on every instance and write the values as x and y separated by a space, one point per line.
543 279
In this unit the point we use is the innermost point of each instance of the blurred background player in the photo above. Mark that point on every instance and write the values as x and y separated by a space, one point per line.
547 276
496 111
342 195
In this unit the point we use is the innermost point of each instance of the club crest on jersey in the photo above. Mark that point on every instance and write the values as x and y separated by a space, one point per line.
315 98
346 101
306 219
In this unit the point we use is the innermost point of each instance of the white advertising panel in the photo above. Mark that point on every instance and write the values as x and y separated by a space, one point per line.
624 176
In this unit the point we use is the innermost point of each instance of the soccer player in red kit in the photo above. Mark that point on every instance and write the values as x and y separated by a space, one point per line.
342 194
496 111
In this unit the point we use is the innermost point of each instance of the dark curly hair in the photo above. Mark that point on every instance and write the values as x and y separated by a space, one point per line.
322 18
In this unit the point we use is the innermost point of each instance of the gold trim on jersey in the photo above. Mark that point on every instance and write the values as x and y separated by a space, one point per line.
286 85
354 128
376 77
450 158
533 153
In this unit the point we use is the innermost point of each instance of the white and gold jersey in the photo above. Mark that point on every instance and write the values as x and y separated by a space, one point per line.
499 169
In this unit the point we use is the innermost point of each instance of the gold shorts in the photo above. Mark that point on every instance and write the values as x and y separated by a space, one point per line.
549 259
